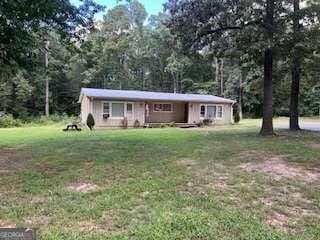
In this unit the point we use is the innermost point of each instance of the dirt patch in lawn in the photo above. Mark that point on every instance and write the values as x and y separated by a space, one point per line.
6 224
7 152
82 187
288 221
88 226
37 221
315 145
38 200
278 220
5 163
205 179
292 203
279 168
290 196
10 160
188 163
110 220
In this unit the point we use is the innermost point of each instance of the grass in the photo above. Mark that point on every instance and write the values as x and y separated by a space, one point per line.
158 183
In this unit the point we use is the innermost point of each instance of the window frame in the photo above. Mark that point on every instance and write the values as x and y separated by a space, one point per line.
171 107
216 113
125 113
103 103
131 112
205 111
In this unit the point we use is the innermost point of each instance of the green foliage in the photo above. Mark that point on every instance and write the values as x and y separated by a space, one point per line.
237 117
125 53
20 21
7 120
186 85
207 121
90 121
136 124
52 119
124 123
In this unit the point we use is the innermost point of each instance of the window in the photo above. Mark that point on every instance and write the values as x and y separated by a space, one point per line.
211 111
219 112
117 109
162 107
129 108
202 111
106 110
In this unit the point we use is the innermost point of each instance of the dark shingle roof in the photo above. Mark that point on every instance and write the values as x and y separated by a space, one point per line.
150 96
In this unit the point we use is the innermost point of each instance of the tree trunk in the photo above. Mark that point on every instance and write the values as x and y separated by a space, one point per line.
221 79
217 69
241 78
267 124
295 73
47 78
174 84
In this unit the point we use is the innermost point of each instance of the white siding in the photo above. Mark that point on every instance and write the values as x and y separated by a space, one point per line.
194 113
85 109
96 107
138 114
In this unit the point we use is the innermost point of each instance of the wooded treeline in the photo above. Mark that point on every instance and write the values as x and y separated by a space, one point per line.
215 47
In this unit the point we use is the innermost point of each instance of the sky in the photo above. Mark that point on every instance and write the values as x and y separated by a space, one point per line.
152 6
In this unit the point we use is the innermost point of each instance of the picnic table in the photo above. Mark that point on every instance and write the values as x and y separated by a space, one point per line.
72 127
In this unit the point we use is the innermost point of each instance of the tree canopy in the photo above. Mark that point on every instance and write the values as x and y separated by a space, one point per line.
195 46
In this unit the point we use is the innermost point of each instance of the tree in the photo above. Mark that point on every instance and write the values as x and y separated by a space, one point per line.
19 20
295 71
122 51
176 67
203 24
267 124
90 121
304 23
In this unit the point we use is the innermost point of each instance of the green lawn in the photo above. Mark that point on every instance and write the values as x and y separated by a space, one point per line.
208 183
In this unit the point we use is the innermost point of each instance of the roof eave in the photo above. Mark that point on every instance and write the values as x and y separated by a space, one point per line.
80 97
160 100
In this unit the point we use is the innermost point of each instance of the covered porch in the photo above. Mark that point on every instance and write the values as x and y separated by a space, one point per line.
166 112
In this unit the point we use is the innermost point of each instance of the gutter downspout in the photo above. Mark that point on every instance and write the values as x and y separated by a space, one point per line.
231 113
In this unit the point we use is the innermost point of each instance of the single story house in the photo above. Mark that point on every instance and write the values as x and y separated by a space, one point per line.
110 107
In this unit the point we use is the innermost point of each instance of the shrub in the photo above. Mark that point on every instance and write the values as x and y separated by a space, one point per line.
136 124
90 121
7 120
236 117
124 123
172 124
199 124
207 121
155 125
52 119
